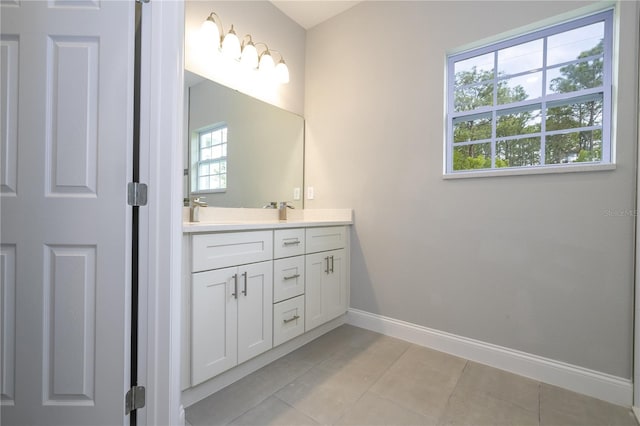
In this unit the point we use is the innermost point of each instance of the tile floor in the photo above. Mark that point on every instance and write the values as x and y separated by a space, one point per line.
352 376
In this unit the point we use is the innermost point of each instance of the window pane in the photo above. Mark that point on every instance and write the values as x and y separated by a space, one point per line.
520 58
214 182
574 44
224 150
203 170
470 157
470 98
203 183
518 122
216 137
465 130
473 70
582 75
223 181
216 151
205 140
574 147
215 168
223 166
585 113
205 154
528 86
518 152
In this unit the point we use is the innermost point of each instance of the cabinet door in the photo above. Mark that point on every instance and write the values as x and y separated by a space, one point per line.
213 323
255 309
316 270
335 286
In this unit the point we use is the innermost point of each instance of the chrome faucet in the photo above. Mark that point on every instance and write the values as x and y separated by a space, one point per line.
194 208
282 210
271 205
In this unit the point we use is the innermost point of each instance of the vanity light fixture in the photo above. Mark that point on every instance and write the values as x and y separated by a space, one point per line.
281 70
266 64
210 31
246 52
231 45
249 56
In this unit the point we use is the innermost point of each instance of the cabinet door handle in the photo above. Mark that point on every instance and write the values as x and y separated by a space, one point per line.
291 277
326 270
293 318
244 274
235 286
292 243
332 264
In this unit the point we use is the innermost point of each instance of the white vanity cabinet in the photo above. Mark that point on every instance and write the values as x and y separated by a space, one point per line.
249 289
231 307
325 275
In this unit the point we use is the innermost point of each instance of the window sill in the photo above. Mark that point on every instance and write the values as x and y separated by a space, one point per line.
531 171
209 191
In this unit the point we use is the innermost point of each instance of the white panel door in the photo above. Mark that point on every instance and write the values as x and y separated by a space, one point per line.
214 315
66 143
255 310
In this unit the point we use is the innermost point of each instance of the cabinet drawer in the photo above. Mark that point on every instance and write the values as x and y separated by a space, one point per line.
212 251
325 238
288 242
288 278
288 320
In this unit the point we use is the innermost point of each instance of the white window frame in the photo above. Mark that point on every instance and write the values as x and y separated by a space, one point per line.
196 148
605 90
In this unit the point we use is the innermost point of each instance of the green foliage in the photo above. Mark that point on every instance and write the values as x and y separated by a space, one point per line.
463 161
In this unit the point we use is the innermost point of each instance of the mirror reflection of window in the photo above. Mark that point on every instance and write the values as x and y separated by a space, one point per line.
211 162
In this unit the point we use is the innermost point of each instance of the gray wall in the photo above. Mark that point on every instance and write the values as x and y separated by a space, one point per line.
532 263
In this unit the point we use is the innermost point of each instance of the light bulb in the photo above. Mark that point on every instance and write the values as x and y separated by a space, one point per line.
210 34
282 72
266 63
249 56
231 45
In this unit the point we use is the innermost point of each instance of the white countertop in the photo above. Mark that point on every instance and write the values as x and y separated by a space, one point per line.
222 219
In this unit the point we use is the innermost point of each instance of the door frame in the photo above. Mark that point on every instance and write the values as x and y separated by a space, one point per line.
161 124
636 306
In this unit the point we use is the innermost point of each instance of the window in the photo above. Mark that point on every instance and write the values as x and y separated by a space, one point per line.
210 159
542 99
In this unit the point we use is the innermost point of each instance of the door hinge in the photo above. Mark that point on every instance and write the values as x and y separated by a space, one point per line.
137 194
134 399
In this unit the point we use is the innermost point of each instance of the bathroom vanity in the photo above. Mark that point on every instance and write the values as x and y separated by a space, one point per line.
255 288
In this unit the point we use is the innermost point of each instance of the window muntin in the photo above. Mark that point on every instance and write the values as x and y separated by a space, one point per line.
211 159
536 100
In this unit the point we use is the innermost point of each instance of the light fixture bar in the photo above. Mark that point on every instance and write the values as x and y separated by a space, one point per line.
243 50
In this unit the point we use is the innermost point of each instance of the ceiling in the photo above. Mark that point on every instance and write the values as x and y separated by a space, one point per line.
309 13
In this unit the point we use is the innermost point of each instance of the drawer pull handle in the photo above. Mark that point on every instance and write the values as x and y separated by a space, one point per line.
293 318
326 270
292 243
291 277
235 286
332 264
244 274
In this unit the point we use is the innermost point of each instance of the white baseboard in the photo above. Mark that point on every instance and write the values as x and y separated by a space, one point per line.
599 385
